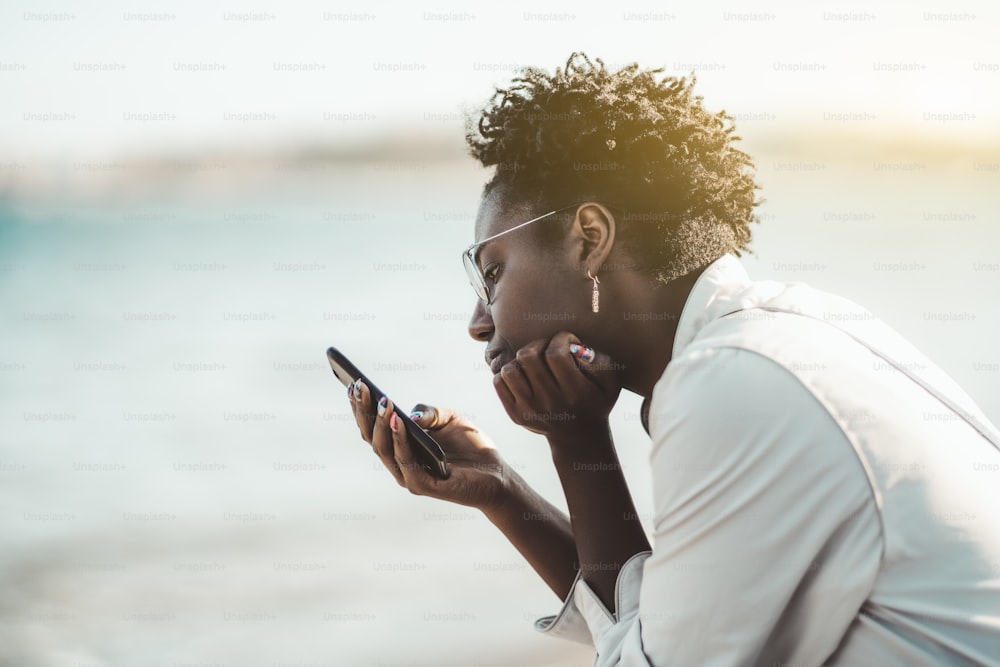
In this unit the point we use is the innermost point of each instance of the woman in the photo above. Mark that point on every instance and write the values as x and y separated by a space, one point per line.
805 509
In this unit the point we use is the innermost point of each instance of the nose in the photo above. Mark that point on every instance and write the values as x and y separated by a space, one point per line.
481 323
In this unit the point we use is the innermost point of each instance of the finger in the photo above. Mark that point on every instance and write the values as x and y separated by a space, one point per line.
382 442
364 413
582 353
515 394
415 475
429 417
507 399
514 378
595 364
561 361
505 394
604 370
531 357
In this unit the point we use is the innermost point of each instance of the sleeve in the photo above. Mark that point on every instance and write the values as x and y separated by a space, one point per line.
767 539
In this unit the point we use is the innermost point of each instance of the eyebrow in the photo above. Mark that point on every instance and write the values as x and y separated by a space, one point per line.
481 255
484 250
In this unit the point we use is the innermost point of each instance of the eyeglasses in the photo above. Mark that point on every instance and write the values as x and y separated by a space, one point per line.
471 261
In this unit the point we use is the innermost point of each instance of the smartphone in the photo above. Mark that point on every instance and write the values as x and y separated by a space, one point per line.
427 449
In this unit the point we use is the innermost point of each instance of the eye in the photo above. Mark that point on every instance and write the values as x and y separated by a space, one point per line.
491 273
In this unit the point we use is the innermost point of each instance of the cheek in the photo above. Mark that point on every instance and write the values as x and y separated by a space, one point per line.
533 307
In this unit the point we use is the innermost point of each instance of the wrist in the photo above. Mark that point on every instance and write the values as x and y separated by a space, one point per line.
590 441
508 498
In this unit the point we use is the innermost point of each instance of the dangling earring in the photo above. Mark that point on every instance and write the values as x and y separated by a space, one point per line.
595 295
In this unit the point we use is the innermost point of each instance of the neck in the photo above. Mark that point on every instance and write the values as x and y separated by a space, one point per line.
643 336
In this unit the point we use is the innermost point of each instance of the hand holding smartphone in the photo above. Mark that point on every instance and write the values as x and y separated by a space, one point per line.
427 450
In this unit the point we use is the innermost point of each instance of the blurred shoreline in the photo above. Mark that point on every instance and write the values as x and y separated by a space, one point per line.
227 170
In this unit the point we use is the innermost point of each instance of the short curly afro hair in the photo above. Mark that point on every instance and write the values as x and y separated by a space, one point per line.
643 146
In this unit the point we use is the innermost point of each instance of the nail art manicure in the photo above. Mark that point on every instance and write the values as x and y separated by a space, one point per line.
582 352
383 403
350 390
393 421
416 415
357 387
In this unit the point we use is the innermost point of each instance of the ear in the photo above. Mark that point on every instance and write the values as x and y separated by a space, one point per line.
595 226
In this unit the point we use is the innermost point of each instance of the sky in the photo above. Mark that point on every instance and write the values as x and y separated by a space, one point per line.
105 79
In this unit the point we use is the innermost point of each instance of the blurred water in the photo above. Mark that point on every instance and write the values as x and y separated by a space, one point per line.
182 482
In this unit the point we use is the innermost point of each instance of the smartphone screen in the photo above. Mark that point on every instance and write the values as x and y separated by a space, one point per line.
427 449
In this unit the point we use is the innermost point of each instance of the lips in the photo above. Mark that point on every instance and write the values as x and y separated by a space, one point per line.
493 360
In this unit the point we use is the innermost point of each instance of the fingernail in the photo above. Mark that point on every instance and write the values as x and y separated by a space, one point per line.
383 403
582 352
350 390
357 387
393 421
417 415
